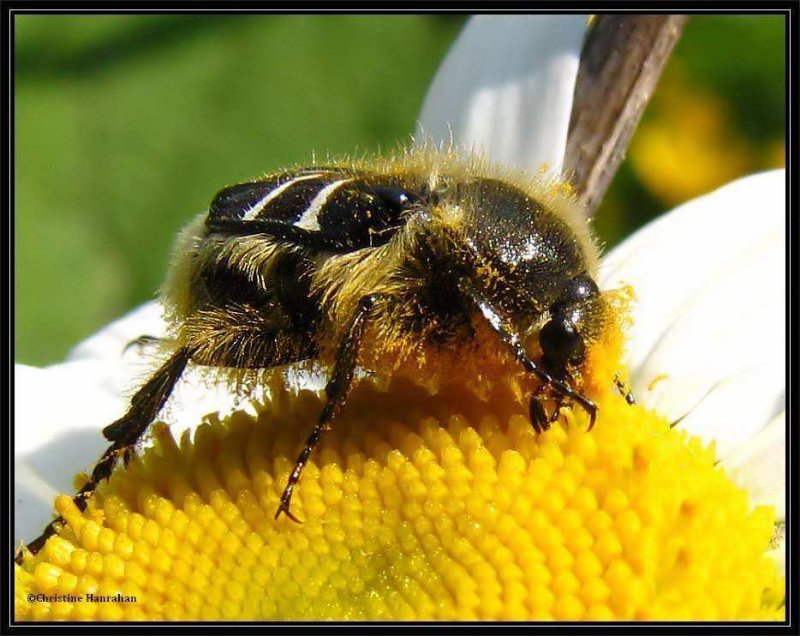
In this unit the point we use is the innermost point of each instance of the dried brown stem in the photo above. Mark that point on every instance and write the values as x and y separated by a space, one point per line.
620 65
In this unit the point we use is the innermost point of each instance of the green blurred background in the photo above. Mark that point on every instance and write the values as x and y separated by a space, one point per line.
126 126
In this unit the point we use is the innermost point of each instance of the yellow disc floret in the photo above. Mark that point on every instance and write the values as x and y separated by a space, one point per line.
416 506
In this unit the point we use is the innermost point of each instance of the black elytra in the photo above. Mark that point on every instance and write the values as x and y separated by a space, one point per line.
346 213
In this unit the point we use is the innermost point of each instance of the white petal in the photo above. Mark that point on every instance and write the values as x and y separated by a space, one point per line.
59 412
710 284
505 88
761 465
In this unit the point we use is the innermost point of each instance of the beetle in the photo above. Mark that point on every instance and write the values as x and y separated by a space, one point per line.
302 264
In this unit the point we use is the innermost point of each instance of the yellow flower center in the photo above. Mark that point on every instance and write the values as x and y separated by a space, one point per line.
415 506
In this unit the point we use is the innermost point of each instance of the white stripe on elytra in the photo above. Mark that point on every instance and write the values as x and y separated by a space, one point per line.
309 220
253 211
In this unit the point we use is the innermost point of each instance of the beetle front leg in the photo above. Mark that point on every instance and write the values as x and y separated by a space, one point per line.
540 421
509 336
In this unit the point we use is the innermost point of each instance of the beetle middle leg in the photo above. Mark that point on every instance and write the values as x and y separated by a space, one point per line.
336 391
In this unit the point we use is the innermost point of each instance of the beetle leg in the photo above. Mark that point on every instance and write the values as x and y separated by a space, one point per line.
557 410
537 415
148 401
624 391
540 421
142 341
337 391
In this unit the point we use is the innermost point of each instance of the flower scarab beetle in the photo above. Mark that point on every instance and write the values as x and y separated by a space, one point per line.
418 249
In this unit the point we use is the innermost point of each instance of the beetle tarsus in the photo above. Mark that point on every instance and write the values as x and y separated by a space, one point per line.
283 508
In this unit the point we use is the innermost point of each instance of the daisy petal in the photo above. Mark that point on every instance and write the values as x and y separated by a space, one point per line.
761 465
86 392
59 413
683 257
505 88
717 343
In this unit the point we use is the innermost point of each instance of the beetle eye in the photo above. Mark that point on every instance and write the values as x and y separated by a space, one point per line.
561 343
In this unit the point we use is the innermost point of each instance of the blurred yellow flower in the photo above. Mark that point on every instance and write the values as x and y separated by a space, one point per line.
775 154
687 145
